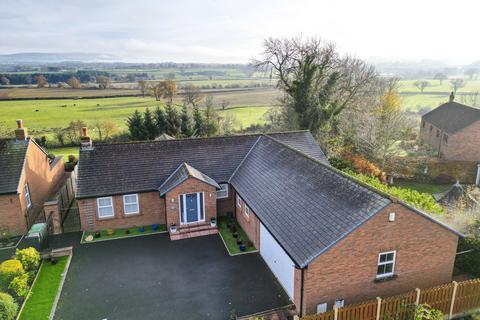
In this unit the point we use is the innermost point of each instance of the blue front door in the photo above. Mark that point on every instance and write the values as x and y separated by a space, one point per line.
192 207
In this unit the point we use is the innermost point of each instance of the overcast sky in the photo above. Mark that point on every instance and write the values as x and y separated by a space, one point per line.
233 31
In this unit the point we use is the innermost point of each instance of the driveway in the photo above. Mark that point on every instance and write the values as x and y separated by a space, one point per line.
152 277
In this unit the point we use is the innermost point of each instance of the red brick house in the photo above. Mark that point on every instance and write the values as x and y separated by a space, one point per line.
453 131
327 238
27 178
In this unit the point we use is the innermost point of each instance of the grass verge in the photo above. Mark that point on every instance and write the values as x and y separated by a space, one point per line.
122 233
430 188
230 241
42 297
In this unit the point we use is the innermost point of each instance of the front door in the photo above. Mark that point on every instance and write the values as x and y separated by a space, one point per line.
192 207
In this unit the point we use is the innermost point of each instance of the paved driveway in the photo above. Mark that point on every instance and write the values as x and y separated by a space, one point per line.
152 277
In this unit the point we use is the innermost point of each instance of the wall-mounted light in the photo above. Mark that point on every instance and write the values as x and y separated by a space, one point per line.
391 216
172 200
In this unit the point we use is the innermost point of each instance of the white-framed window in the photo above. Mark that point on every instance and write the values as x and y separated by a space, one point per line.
386 264
105 207
130 204
28 200
223 192
247 211
239 201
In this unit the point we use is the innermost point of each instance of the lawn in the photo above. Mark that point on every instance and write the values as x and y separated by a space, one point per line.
422 187
41 116
122 233
40 301
64 151
230 241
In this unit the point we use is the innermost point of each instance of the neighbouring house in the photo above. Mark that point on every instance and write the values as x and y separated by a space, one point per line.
452 130
327 238
28 177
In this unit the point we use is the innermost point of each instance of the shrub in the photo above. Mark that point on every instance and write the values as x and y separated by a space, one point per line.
468 261
9 269
340 164
29 257
19 285
8 307
422 201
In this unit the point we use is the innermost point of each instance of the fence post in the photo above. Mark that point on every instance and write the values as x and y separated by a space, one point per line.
379 305
452 303
417 300
335 313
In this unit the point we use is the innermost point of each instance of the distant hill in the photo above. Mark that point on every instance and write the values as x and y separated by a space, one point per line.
40 58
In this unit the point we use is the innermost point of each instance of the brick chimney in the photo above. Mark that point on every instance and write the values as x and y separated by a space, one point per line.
21 133
85 140
452 97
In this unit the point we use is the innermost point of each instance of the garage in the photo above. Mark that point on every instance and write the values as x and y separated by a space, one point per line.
279 262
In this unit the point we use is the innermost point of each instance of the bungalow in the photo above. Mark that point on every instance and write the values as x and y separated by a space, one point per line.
28 176
327 238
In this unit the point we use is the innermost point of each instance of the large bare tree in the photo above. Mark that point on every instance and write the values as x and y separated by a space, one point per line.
318 82
192 95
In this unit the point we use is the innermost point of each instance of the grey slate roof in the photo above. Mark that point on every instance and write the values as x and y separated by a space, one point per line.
306 206
452 116
111 169
12 158
182 173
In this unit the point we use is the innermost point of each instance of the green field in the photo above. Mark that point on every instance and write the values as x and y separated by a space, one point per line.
41 116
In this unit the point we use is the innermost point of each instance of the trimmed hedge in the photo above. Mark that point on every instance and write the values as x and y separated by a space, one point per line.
469 262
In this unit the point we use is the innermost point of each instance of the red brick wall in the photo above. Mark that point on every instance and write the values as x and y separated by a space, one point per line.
152 210
42 178
463 145
226 205
425 258
191 185
250 224
11 212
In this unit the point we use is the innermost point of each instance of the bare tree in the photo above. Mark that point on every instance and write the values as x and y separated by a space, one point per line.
4 81
105 129
457 84
440 76
103 82
74 131
225 104
143 85
421 85
209 101
192 95
74 82
227 124
471 72
166 89
41 81
471 99
318 83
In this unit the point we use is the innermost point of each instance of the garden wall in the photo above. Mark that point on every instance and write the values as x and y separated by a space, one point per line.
433 169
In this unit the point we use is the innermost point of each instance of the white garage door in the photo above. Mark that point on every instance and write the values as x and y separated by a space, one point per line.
278 261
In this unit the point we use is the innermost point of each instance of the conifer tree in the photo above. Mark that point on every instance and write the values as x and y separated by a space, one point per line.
187 124
136 126
160 120
174 122
198 122
149 125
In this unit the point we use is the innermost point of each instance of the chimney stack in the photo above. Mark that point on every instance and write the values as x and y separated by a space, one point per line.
452 97
21 133
85 140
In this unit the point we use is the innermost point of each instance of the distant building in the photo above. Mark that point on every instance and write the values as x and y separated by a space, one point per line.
453 131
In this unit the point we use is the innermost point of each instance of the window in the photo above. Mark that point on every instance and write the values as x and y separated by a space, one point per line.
386 264
223 192
239 201
105 207
27 196
247 211
130 204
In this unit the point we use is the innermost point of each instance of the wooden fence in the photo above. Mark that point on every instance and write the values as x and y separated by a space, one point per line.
452 299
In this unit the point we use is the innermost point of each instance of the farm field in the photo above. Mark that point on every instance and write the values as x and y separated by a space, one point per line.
32 93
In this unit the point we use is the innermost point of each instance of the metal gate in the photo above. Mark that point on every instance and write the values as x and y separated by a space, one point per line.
71 222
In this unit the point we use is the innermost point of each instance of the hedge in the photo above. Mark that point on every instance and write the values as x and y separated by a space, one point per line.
470 261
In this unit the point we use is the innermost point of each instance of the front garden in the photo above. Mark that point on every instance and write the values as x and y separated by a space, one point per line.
17 276
110 234
235 239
